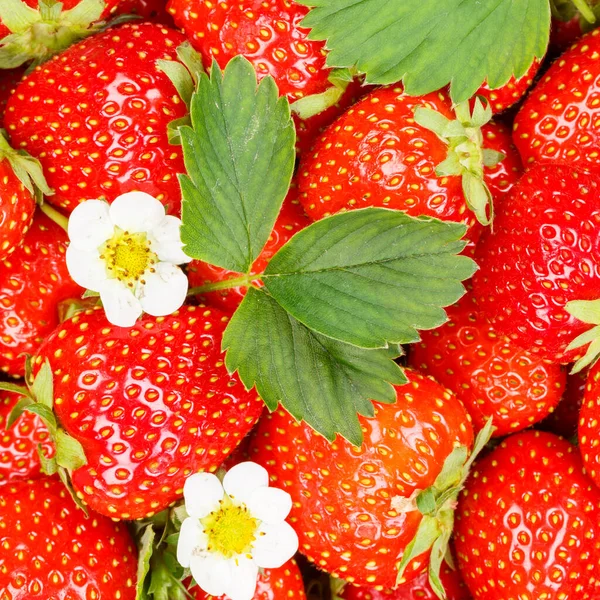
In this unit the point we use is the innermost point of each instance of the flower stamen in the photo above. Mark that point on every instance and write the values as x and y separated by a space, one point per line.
128 256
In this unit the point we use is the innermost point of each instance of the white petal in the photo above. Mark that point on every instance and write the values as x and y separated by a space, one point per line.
90 225
270 505
242 479
202 493
243 581
166 241
86 268
164 291
212 572
274 545
191 537
122 308
136 212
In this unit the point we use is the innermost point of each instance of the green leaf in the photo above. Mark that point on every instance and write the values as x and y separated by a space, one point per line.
317 379
43 386
145 553
239 156
372 276
69 452
428 45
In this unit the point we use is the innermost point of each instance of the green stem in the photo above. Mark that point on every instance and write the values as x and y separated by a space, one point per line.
53 214
586 12
243 281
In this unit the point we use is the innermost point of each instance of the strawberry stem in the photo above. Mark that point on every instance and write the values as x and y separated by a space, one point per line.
243 281
53 214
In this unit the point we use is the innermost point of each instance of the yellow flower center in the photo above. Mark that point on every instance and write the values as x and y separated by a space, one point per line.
231 529
128 256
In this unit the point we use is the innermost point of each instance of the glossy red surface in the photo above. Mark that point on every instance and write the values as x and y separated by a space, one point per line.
417 589
492 375
544 251
284 583
589 417
560 118
19 444
291 219
51 550
527 523
376 155
342 494
267 33
17 206
504 97
150 404
33 280
97 115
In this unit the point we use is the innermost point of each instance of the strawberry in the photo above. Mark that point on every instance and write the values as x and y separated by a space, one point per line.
588 424
542 254
51 550
565 417
267 33
527 523
108 133
284 583
570 20
19 444
558 121
488 372
149 405
510 93
352 505
155 10
417 589
8 82
33 281
291 219
377 154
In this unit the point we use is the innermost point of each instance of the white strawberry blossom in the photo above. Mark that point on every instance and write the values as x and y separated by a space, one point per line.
233 529
128 253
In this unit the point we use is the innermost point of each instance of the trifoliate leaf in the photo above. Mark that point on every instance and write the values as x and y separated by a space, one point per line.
372 276
317 379
428 45
239 156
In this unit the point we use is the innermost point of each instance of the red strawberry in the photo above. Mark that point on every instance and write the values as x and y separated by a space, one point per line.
267 33
108 133
376 154
347 500
19 444
417 589
155 10
150 405
565 418
33 281
489 373
543 253
8 82
51 550
559 119
284 583
527 523
510 93
291 219
569 23
589 416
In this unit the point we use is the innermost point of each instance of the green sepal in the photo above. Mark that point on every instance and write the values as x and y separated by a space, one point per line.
565 10
27 169
16 389
43 386
66 480
36 35
17 411
466 155
336 586
437 504
46 414
587 311
49 466
145 548
69 452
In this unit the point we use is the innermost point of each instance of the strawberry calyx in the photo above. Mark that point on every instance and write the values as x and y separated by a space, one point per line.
38 398
336 587
184 74
38 34
586 311
565 10
466 155
437 505
312 105
27 169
